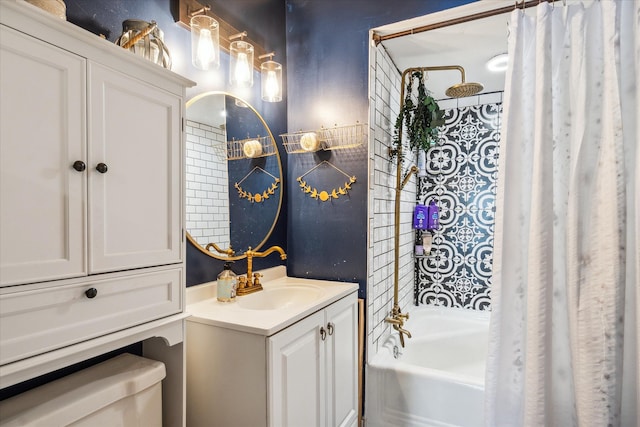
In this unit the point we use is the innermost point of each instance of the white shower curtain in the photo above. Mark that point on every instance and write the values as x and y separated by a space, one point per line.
565 320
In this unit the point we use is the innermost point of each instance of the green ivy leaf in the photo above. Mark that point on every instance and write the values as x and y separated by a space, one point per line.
420 119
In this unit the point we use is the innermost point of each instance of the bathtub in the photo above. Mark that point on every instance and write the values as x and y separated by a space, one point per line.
437 379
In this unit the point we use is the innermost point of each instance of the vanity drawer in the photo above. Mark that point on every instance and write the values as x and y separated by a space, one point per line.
33 322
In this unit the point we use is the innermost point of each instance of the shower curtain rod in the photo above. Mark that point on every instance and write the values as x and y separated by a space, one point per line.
377 38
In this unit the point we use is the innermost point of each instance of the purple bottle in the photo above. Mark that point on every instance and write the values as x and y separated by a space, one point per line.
420 217
433 219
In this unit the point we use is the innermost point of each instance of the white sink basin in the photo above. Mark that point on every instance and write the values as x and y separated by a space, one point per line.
281 297
284 301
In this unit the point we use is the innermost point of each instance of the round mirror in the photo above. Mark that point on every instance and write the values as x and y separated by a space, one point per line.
233 176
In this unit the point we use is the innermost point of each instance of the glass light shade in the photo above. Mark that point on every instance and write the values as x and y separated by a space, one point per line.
241 64
271 73
205 42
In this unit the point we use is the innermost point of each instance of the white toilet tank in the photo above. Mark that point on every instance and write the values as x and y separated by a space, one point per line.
123 391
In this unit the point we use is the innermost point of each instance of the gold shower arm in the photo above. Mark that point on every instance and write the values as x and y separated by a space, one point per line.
458 90
409 71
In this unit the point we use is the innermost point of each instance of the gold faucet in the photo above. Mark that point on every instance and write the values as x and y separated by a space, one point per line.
252 283
228 252
397 319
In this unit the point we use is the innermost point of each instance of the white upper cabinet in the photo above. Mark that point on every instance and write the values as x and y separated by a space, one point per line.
42 134
91 172
134 173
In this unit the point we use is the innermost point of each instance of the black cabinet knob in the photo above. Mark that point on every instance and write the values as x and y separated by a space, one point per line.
102 168
91 293
79 165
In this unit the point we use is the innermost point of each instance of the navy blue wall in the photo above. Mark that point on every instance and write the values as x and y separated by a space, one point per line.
327 60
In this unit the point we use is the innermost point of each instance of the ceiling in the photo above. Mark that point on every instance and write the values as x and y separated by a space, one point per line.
470 45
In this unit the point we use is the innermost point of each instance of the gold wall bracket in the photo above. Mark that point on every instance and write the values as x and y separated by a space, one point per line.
186 9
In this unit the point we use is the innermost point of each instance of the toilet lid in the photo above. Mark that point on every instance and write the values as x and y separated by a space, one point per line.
68 399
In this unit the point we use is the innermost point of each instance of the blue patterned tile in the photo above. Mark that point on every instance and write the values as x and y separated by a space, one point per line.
466 233
445 259
462 286
487 218
483 200
463 169
447 202
467 183
441 159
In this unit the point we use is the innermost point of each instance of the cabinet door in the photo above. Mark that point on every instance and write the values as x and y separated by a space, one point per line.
135 200
42 134
296 375
342 362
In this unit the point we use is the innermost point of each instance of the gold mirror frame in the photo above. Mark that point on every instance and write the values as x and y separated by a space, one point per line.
277 215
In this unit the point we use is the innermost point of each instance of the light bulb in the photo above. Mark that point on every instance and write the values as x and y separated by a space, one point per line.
206 53
205 45
272 88
271 77
242 69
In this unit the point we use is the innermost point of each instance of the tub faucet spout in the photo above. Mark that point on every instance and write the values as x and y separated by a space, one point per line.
402 332
397 319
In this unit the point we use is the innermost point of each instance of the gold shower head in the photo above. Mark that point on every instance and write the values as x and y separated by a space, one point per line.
463 89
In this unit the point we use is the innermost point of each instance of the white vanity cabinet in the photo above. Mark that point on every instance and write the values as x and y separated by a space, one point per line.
91 202
304 375
313 369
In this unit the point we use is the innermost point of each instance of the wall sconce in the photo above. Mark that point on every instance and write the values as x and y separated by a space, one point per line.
205 40
244 53
240 66
271 78
185 10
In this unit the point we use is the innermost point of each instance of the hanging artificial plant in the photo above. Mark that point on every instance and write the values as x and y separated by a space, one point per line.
420 118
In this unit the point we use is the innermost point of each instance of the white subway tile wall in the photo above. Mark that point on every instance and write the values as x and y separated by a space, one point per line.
207 201
382 177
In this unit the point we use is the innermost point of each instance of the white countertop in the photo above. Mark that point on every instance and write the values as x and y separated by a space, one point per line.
203 306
